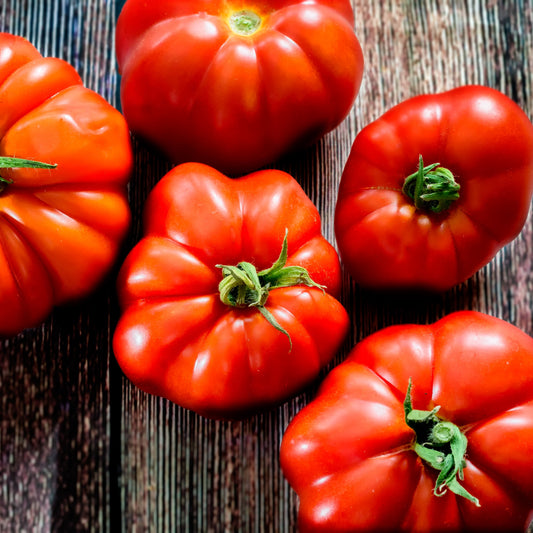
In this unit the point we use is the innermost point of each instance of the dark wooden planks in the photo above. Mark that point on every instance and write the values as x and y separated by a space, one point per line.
55 380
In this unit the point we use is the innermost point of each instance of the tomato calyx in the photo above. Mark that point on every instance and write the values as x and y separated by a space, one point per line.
4 182
16 162
432 187
245 22
440 444
242 286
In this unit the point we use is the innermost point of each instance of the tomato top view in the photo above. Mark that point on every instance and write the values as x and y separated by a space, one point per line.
65 159
421 429
434 188
236 84
228 299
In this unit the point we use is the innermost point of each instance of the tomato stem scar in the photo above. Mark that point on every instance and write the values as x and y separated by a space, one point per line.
244 22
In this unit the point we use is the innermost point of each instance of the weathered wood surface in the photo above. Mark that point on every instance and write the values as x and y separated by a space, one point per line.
83 450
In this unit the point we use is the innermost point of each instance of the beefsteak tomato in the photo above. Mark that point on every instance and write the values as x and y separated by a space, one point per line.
221 315
362 459
433 227
62 219
236 84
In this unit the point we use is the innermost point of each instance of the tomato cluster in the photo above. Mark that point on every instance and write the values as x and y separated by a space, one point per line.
230 300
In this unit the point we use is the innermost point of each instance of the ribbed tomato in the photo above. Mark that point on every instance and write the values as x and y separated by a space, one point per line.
65 160
236 84
228 299
450 452
434 188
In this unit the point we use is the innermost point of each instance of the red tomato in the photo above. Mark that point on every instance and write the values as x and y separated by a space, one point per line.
236 84
61 226
176 337
474 202
354 461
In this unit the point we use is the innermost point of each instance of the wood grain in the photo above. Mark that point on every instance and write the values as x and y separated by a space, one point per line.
80 448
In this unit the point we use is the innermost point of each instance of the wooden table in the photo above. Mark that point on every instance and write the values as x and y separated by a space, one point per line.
80 448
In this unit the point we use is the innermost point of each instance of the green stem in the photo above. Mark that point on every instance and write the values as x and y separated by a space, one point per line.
441 445
16 162
242 286
432 187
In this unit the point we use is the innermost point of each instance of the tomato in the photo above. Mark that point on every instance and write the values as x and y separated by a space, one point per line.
236 84
228 299
360 457
434 188
62 221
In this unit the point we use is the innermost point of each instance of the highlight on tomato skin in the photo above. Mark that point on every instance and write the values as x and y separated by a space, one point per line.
65 161
229 299
434 188
421 428
236 86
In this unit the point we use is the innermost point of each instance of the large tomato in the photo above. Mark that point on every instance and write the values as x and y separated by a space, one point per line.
61 222
435 226
227 300
453 453
236 84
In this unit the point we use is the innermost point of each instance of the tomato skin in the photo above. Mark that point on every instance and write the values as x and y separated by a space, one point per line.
348 453
485 140
177 339
60 228
198 91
